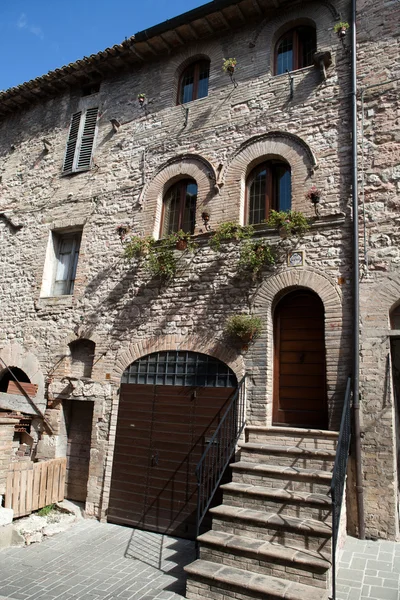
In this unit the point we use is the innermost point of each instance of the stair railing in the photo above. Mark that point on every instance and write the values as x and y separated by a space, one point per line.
218 452
339 476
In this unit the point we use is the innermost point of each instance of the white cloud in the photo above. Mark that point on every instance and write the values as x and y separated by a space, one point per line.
23 23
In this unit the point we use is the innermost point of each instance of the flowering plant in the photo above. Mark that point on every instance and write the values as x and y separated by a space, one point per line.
229 65
313 194
290 221
123 230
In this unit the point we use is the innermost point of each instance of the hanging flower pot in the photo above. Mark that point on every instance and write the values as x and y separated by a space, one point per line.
341 28
314 195
181 245
141 99
229 65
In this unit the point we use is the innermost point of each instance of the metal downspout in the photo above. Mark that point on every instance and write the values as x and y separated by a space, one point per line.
356 277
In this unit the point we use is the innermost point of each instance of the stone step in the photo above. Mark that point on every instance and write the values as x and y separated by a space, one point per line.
272 527
293 436
293 456
232 582
274 476
283 501
302 566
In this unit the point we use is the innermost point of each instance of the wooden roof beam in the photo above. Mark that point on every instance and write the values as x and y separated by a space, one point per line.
223 19
192 31
258 7
240 13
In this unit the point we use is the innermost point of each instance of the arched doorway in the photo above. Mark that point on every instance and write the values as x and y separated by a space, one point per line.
300 362
170 405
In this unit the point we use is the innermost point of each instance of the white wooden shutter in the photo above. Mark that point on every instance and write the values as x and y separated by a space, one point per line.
86 146
71 143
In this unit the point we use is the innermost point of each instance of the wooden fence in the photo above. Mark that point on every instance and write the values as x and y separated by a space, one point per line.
31 486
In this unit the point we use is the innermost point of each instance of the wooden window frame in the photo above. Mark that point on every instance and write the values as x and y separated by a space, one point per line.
182 184
297 44
271 195
196 78
76 237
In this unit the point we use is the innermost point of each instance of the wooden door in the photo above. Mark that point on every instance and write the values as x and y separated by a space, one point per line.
299 362
79 417
161 435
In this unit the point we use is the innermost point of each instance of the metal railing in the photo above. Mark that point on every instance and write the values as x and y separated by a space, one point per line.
339 477
219 450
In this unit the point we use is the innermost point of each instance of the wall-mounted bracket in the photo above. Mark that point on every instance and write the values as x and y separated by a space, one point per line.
291 85
322 60
185 110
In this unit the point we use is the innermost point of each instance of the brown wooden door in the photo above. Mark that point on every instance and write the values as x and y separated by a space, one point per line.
299 362
161 435
79 417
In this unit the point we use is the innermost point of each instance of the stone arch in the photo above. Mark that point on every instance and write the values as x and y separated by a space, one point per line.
270 293
274 144
15 355
204 344
186 165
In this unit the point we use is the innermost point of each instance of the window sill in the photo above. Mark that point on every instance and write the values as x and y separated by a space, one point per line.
65 301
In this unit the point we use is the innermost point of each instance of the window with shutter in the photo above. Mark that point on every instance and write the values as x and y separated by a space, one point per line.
78 155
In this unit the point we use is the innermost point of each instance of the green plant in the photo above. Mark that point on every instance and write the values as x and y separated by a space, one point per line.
230 231
161 261
229 65
245 327
291 222
138 246
181 240
255 255
43 512
340 28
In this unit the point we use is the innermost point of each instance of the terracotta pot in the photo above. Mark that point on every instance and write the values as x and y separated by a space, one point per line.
181 245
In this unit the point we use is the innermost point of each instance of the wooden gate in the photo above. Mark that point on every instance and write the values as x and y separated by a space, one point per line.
31 486
161 434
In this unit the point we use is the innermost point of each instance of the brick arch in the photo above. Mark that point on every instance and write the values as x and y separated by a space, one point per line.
192 343
389 299
274 144
271 291
323 16
177 64
179 167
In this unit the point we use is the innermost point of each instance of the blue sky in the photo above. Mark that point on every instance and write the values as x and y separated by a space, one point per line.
37 36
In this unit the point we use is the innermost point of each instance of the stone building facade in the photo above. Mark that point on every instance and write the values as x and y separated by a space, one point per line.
83 341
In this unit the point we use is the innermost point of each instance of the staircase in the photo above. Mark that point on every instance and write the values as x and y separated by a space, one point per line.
271 536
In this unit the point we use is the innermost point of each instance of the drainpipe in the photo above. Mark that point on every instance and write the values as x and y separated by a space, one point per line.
356 278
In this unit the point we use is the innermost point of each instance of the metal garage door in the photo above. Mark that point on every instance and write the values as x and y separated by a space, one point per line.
162 431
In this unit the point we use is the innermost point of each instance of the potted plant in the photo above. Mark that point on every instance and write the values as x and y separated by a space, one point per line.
181 240
314 195
122 230
244 327
288 222
341 28
230 231
141 98
255 255
229 65
138 246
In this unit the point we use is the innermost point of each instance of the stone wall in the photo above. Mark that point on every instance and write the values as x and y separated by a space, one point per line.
6 440
379 193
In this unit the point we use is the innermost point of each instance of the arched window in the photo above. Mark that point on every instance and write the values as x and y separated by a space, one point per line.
180 207
269 187
295 49
193 83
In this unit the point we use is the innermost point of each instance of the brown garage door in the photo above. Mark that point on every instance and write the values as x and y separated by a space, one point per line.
300 366
161 434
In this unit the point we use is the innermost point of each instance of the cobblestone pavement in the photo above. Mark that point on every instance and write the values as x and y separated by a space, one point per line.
369 570
97 561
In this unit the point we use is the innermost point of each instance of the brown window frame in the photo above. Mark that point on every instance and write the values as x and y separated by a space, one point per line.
297 43
182 186
196 78
271 195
